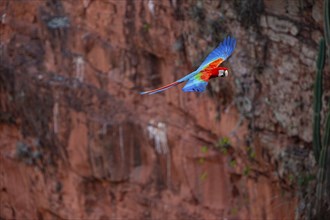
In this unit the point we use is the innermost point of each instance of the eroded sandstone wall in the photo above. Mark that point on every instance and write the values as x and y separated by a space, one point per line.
78 141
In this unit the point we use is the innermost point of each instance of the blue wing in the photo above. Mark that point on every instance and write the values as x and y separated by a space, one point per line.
195 85
223 51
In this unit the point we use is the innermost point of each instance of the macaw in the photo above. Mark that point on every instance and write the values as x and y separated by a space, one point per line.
197 80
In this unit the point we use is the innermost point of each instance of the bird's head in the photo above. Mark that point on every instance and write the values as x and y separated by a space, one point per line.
222 72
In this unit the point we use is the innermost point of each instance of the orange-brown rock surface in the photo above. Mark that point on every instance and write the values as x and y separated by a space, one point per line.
78 141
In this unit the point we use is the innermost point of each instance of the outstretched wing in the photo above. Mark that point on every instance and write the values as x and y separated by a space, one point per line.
219 54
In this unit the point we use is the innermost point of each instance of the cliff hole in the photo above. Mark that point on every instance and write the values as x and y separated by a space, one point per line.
154 75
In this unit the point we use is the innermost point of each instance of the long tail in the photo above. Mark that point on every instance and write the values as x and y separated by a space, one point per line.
163 88
150 92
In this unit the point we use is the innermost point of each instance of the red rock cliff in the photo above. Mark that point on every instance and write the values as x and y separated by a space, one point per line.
79 142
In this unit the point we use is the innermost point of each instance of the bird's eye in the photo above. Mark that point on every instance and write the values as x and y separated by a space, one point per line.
223 73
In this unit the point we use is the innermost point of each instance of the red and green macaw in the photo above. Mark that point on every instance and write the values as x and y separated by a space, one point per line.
197 80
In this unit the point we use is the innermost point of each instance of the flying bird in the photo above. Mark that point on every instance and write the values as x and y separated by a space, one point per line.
197 80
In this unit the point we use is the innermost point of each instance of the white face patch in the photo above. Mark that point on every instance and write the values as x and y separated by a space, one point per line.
222 73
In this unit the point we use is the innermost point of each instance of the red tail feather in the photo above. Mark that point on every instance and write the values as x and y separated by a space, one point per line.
150 92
